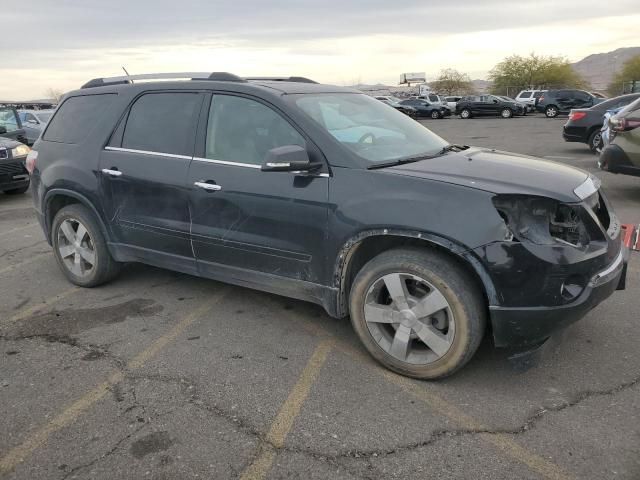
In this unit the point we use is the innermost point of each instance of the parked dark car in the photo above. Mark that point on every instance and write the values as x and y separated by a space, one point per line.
483 105
584 124
34 122
622 155
395 103
554 102
11 125
324 194
424 108
14 177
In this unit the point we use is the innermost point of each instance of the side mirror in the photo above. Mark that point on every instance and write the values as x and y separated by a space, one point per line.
288 158
3 130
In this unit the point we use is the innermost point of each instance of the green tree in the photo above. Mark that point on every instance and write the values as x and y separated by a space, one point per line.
516 73
630 71
451 81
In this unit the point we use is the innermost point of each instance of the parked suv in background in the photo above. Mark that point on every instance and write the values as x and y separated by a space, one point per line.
33 123
14 177
424 108
395 103
324 194
584 124
622 155
555 102
529 98
482 105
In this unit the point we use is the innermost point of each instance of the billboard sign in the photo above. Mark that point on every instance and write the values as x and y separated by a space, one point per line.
413 77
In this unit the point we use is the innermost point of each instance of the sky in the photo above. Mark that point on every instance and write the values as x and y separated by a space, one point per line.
64 43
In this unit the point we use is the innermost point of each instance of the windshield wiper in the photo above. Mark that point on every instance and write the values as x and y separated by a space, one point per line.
417 158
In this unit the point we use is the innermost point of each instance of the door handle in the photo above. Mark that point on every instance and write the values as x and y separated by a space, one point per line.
112 172
211 187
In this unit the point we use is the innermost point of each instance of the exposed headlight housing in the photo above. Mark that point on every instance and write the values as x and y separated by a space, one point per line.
20 151
542 221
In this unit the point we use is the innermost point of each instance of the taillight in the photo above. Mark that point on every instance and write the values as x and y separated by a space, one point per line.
30 163
577 115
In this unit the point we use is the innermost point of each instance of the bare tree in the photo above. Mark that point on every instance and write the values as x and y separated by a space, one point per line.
55 94
451 81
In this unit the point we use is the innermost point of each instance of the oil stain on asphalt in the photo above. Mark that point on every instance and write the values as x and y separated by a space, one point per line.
63 323
151 443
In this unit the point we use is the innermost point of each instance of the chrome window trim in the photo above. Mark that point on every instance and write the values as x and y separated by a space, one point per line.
147 152
226 162
590 186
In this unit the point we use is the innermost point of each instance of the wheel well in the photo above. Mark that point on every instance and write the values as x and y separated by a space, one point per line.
372 246
54 205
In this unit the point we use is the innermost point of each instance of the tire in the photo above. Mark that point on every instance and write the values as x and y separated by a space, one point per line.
551 111
82 272
460 324
465 113
435 114
17 191
506 113
595 141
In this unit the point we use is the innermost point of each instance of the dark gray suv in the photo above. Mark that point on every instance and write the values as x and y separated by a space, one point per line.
325 194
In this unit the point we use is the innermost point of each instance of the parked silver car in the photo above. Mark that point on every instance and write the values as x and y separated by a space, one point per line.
33 123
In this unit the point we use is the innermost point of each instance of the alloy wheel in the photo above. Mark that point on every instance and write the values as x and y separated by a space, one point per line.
551 112
76 247
409 318
435 114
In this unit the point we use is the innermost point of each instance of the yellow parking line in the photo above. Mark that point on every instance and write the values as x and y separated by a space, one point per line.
288 412
17 454
25 262
502 441
9 232
39 306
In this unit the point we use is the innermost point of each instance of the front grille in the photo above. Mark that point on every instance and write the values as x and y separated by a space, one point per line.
12 168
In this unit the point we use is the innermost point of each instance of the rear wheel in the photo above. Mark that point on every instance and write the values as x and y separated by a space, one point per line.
506 113
80 248
551 111
465 113
595 141
417 312
435 114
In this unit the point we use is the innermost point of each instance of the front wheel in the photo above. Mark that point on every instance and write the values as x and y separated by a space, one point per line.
80 248
417 312
551 111
506 113
435 114
465 113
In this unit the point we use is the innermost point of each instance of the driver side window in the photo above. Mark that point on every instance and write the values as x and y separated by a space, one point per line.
243 130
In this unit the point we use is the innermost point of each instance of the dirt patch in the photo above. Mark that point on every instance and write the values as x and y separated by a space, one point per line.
17 214
58 323
152 443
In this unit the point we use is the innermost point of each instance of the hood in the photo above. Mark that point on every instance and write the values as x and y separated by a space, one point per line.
8 142
499 172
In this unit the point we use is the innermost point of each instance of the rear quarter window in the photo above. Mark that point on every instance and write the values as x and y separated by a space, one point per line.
76 117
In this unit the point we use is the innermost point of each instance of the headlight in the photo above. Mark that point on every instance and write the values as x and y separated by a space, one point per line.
20 151
542 221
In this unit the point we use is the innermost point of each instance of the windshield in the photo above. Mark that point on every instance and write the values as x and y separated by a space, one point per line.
370 129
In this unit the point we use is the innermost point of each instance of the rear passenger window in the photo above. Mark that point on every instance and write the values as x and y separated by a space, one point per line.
162 122
243 130
75 118
525 95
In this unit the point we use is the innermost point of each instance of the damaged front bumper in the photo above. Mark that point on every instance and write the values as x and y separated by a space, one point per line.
530 326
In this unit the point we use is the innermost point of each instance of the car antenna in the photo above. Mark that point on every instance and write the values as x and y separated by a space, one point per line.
125 71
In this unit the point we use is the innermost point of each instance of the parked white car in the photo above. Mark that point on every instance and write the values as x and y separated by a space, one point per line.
529 97
451 102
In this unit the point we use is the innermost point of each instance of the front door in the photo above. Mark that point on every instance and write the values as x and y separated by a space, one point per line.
143 174
245 220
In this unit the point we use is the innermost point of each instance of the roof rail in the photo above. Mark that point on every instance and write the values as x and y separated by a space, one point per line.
283 79
215 76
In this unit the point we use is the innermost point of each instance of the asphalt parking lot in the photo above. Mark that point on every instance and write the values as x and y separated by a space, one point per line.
161 375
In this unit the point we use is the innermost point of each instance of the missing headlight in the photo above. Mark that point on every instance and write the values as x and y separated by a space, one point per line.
542 221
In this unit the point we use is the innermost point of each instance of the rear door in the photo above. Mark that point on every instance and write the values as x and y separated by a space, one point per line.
144 169
248 220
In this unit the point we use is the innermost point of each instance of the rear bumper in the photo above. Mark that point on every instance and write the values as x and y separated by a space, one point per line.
574 134
530 326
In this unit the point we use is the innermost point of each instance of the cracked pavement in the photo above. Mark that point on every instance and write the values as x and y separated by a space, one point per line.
203 405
